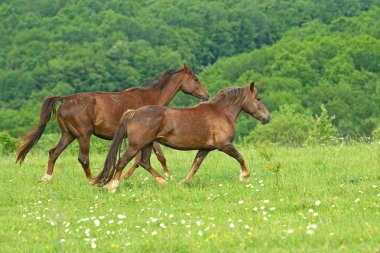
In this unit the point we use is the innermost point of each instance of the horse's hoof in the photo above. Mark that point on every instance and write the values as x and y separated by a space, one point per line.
112 186
168 175
244 178
160 180
46 178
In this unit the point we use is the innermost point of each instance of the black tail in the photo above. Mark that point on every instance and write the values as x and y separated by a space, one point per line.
31 139
109 166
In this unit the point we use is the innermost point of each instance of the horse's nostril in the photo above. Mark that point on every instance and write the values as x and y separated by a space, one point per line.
205 97
265 120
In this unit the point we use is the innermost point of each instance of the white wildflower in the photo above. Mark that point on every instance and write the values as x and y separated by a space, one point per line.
290 231
121 216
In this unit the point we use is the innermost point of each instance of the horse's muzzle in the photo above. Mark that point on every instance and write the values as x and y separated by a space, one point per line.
205 97
265 120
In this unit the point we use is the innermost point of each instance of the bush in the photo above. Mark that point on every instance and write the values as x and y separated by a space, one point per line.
7 143
293 127
288 127
376 134
323 131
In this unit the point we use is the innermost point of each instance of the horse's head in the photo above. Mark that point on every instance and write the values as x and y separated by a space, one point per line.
191 84
254 106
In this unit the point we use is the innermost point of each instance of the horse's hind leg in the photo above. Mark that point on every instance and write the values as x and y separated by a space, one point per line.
145 163
123 161
83 156
231 151
134 166
54 153
160 156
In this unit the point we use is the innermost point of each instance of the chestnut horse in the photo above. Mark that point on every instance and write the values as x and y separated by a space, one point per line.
205 127
98 113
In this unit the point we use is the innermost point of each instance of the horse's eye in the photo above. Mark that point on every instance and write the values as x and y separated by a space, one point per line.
258 98
196 79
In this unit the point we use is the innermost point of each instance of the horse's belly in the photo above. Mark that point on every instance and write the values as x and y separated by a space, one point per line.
105 131
185 142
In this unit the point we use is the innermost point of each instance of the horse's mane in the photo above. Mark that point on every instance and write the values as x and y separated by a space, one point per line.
161 80
231 94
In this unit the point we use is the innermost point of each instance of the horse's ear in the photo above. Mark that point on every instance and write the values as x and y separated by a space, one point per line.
185 67
252 86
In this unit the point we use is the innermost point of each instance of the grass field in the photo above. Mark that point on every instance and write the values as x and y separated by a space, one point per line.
326 199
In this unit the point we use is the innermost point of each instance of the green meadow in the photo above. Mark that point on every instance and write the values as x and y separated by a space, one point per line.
307 199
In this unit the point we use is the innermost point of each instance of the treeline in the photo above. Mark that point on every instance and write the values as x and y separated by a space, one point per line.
336 64
295 49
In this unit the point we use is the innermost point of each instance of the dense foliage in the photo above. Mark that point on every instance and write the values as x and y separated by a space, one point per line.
337 65
305 53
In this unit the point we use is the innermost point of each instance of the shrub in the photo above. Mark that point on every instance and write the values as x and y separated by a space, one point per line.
288 126
323 131
293 127
376 134
7 143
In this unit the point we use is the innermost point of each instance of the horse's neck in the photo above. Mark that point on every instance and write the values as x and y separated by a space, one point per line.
165 94
231 110
155 95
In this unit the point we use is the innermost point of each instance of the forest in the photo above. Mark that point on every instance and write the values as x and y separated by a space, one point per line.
316 63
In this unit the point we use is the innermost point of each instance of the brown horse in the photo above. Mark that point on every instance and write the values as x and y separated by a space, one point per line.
205 127
98 113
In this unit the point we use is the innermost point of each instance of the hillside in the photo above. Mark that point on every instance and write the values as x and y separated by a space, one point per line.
335 64
59 47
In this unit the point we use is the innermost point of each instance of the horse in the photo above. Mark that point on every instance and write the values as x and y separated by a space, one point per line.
82 115
205 127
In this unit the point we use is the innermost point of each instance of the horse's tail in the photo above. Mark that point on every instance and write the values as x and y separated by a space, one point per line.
30 139
109 166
